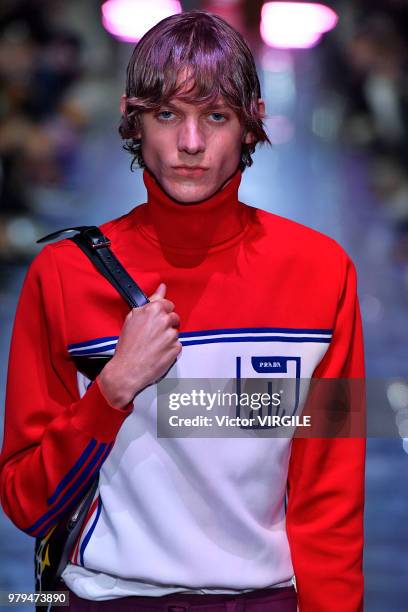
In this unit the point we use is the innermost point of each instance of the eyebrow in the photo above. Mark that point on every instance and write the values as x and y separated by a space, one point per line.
209 106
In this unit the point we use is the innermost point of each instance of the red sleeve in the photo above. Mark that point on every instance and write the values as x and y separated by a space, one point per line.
54 441
326 484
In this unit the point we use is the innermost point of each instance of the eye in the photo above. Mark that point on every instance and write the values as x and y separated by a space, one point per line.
218 117
165 115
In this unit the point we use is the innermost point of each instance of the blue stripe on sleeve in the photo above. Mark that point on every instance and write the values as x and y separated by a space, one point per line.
73 502
75 468
72 490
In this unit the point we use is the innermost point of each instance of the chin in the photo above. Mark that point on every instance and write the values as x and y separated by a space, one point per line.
189 193
191 198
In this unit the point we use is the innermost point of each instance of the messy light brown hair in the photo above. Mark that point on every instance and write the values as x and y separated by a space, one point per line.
218 61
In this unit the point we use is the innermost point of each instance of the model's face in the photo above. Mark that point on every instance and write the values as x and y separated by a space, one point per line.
191 149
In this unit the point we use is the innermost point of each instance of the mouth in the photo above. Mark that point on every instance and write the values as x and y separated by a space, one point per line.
190 171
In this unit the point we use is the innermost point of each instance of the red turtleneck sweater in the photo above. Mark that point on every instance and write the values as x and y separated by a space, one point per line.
245 283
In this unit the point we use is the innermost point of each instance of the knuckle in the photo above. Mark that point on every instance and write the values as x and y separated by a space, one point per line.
171 334
175 317
155 307
171 321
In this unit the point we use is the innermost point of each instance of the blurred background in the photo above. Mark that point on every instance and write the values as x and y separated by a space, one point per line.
335 80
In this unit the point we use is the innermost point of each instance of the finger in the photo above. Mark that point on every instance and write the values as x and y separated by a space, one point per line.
159 293
167 305
174 319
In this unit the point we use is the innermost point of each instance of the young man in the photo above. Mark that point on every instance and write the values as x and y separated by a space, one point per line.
188 522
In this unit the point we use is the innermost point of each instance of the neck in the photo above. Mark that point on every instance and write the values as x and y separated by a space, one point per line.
200 225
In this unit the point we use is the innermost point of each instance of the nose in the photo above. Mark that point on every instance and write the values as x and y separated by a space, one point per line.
191 138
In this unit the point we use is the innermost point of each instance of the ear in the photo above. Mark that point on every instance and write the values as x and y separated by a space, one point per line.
123 103
249 136
123 99
261 108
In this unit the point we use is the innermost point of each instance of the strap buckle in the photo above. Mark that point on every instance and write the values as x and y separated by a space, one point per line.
95 238
101 243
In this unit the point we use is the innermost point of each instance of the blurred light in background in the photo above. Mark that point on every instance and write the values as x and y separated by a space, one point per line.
277 60
22 232
372 308
280 129
295 25
397 394
279 84
129 20
327 117
279 87
233 11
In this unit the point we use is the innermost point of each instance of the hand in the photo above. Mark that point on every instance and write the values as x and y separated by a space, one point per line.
147 347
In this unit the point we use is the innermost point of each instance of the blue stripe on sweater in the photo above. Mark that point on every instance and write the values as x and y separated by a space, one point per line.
74 501
255 330
90 532
70 492
88 346
90 342
255 339
75 468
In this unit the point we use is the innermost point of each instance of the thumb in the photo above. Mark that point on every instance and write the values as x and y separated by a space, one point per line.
159 293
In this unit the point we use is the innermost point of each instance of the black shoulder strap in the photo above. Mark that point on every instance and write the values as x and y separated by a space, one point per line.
96 246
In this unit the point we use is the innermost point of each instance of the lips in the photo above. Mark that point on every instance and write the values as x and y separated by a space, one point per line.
190 170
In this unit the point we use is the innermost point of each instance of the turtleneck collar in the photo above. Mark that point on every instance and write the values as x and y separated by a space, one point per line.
202 225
